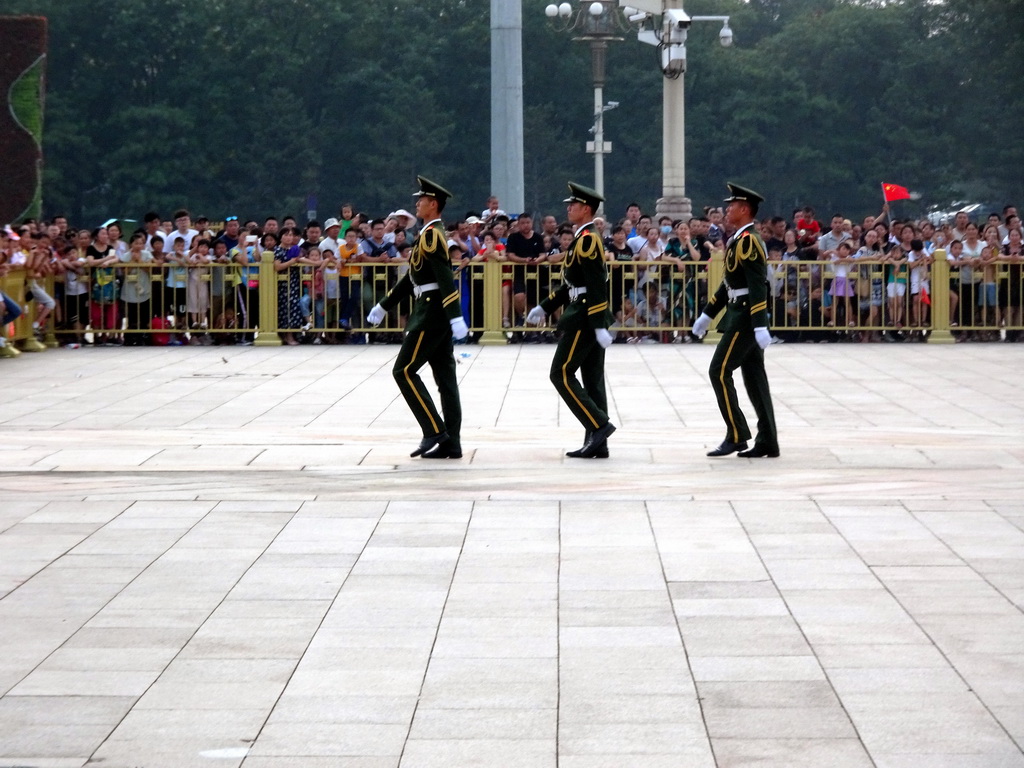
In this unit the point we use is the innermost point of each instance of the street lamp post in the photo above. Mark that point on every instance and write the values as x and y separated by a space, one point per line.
596 22
664 24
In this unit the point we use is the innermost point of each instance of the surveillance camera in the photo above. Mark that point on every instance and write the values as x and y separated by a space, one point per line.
612 104
677 18
725 36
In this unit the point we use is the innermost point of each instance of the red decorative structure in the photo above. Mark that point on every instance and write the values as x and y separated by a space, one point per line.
22 72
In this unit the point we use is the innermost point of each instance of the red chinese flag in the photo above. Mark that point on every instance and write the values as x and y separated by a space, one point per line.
894 192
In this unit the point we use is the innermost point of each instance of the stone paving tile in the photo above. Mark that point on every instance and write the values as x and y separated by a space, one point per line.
326 601
783 752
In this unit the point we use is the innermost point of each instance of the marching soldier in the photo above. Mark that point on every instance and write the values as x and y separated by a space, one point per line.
584 325
744 296
435 319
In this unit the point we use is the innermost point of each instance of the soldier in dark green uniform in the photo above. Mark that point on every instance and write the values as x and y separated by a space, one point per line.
744 296
436 317
584 325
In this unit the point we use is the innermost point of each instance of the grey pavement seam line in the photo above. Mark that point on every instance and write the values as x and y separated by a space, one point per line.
437 631
938 648
935 643
323 618
679 631
789 610
62 554
100 609
968 563
114 597
196 630
558 643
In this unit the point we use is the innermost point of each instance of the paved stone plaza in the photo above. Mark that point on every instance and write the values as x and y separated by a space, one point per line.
225 557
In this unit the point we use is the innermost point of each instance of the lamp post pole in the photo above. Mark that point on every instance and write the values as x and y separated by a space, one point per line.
673 201
664 23
596 22
598 53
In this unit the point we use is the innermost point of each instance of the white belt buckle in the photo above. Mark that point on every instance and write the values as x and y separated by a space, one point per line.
417 290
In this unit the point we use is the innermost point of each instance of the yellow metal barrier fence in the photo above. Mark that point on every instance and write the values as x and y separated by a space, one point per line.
653 302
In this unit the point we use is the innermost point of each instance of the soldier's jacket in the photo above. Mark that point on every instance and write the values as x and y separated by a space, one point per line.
746 266
583 267
428 263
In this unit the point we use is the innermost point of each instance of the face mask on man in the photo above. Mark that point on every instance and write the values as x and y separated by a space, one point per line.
666 230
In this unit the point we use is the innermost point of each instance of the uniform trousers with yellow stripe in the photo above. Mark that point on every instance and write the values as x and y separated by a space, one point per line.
428 341
578 350
739 349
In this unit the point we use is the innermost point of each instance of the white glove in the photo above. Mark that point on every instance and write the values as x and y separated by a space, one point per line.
700 327
377 315
459 329
762 337
604 337
535 316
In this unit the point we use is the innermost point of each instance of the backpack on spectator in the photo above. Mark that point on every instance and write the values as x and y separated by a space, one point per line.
160 339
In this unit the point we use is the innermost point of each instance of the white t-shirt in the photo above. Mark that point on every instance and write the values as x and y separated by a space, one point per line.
169 240
918 274
72 285
969 274
137 286
329 244
839 270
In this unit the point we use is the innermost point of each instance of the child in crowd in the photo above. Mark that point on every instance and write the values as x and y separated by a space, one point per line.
225 298
987 299
920 286
350 287
953 256
844 294
176 281
136 290
328 285
100 257
493 250
197 295
651 312
896 287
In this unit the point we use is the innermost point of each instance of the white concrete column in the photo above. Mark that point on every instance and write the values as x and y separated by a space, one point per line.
673 201
507 104
599 142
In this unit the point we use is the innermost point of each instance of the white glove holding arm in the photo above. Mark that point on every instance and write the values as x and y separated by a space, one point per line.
377 315
701 325
604 337
459 329
762 337
536 316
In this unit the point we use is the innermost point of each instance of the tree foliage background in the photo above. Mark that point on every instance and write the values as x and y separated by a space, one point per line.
250 106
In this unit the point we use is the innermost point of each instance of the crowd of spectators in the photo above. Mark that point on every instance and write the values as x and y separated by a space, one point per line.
859 281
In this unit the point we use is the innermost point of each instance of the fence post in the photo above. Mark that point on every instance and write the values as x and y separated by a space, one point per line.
716 274
940 300
267 336
8 349
50 338
23 332
493 332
